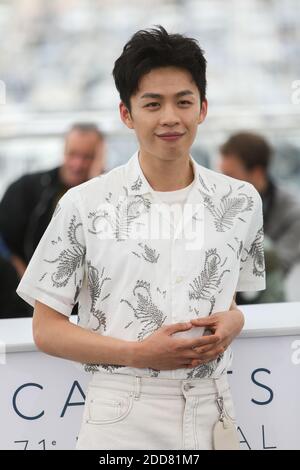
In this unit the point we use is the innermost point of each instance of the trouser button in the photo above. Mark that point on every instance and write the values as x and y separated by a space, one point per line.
187 386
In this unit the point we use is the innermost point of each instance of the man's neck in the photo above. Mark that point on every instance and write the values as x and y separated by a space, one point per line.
167 175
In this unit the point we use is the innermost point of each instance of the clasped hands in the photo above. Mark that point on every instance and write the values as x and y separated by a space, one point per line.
224 327
163 350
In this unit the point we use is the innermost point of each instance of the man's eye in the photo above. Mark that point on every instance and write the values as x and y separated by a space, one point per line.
185 102
152 105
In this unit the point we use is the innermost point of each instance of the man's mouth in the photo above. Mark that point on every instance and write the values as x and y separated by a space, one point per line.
170 136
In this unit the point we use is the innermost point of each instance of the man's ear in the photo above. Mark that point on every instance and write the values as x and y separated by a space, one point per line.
126 116
203 111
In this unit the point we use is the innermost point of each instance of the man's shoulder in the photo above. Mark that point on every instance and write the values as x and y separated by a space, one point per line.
30 185
221 185
42 178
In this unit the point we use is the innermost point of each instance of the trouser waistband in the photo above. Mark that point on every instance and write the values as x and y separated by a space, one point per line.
160 386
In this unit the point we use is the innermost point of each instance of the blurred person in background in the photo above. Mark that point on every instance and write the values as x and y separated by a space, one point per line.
247 156
28 204
11 304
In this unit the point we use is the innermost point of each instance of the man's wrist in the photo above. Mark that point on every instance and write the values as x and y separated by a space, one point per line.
134 354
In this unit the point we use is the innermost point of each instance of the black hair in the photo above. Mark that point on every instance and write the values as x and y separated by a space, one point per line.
251 149
153 48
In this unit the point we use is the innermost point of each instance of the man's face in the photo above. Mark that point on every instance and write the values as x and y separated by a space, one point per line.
231 165
165 113
83 158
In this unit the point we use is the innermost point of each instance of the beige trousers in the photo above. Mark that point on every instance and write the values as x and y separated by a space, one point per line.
127 412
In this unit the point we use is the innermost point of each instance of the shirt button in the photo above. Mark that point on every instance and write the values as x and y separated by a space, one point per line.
179 279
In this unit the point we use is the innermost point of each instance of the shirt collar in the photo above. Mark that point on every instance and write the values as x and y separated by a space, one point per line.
137 184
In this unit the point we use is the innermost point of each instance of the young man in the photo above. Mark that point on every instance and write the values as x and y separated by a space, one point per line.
145 292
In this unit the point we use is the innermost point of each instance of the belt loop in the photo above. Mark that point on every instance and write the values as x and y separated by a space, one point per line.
137 388
218 387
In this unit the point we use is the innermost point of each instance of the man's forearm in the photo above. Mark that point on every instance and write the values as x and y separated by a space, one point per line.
238 314
57 336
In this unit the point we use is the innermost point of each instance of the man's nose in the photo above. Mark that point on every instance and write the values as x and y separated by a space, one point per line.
80 162
169 116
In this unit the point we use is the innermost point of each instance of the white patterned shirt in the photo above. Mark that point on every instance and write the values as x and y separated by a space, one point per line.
108 248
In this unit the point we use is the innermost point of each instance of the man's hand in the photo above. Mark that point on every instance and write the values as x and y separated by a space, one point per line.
164 351
224 326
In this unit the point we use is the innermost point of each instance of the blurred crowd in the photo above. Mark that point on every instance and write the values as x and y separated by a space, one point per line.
29 202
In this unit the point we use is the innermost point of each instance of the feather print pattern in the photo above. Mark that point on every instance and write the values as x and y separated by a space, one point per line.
148 254
256 252
204 371
95 367
207 284
120 217
145 310
229 207
70 259
137 184
95 285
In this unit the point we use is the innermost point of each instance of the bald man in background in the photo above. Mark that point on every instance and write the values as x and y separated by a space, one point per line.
29 202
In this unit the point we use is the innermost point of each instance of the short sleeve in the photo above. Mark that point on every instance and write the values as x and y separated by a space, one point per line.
55 273
252 260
